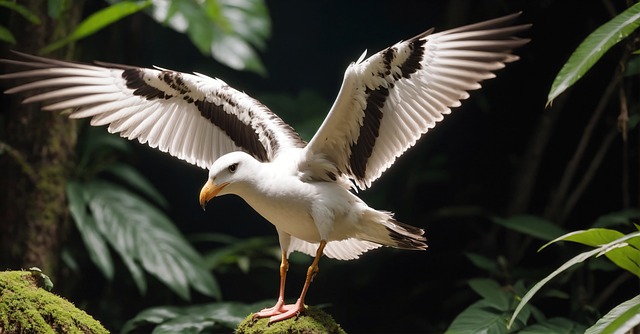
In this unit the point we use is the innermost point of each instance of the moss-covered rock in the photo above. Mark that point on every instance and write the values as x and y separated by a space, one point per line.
312 321
27 308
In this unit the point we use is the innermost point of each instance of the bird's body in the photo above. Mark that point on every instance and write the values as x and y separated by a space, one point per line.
386 103
290 193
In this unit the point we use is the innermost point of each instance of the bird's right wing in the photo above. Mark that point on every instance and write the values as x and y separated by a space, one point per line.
193 117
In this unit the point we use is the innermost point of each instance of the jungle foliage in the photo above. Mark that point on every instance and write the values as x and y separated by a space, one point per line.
530 193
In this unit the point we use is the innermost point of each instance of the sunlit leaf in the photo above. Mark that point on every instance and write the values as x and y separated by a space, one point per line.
98 21
621 319
236 53
6 35
623 257
95 244
531 225
575 260
22 10
593 47
138 230
230 31
591 237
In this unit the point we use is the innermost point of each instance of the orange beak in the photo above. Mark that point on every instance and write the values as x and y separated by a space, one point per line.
209 191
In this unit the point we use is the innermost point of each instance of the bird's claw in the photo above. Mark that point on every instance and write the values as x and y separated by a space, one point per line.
280 312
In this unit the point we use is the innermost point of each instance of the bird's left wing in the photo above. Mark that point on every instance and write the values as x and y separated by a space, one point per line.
193 117
395 96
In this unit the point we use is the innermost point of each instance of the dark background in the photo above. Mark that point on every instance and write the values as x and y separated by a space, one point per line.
459 176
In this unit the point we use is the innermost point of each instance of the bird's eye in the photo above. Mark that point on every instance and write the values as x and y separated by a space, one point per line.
233 168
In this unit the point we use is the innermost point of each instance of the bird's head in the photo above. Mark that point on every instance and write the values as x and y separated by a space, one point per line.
226 175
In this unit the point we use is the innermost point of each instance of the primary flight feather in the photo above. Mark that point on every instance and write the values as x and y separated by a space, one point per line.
386 103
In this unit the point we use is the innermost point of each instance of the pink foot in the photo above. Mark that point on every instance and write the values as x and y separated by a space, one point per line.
292 310
277 309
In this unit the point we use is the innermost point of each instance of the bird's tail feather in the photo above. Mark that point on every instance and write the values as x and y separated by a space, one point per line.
385 230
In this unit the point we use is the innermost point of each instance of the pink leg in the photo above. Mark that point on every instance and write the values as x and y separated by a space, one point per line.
294 310
279 308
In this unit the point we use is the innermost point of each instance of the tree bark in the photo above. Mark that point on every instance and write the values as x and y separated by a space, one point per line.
38 149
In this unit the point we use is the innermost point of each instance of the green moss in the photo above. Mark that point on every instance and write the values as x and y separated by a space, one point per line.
27 308
312 321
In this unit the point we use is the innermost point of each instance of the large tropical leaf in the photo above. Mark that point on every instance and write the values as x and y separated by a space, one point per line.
132 177
621 319
228 30
621 242
195 318
95 244
143 236
490 314
593 47
624 257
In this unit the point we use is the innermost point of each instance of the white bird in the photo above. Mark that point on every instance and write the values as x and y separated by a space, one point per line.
306 190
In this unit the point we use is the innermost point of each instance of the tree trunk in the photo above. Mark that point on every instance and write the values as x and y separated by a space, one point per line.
37 156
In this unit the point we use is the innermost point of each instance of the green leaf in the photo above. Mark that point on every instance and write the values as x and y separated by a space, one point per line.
189 324
22 10
238 251
591 237
98 21
140 232
483 262
531 225
48 284
593 47
633 66
480 317
617 218
196 318
46 280
96 148
621 319
491 292
623 257
555 325
228 30
93 241
575 260
634 120
236 53
135 179
6 35
55 8
135 271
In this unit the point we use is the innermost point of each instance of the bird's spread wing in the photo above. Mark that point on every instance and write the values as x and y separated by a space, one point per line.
392 98
193 117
